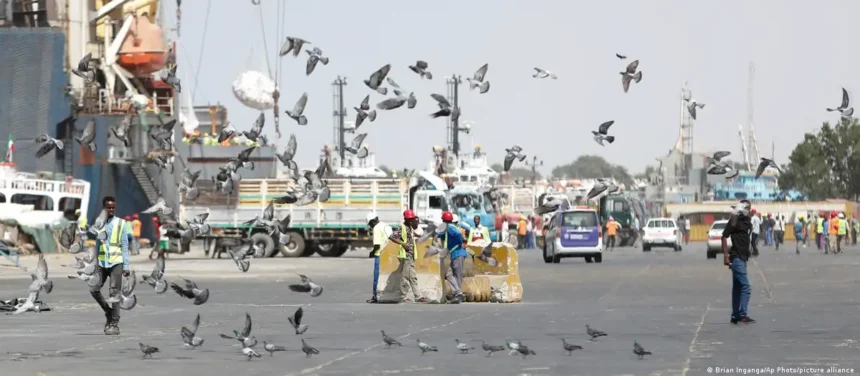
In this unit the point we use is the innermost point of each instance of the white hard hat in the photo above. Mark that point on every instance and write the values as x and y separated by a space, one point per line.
371 216
456 218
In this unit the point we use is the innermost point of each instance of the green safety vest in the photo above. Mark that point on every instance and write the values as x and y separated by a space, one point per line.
484 232
820 225
843 227
113 250
402 253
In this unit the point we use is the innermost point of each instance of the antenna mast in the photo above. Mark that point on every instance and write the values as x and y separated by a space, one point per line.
686 135
753 147
744 147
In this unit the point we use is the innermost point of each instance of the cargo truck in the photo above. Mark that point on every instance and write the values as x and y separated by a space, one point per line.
624 208
330 228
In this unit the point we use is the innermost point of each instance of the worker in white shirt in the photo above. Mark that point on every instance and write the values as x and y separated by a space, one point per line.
380 232
478 232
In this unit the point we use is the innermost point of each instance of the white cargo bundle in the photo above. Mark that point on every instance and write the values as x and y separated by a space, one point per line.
254 89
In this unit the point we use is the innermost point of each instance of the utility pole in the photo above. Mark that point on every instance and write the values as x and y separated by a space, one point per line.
454 125
339 116
534 163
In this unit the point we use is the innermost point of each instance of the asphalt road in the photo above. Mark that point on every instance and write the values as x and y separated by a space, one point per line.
676 304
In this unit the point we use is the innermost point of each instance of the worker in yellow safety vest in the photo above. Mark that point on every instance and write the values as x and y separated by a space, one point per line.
405 238
819 229
113 248
478 232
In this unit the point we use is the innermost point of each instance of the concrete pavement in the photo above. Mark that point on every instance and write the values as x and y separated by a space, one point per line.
675 304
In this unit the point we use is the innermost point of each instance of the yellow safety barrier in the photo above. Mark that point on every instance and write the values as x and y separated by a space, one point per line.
481 282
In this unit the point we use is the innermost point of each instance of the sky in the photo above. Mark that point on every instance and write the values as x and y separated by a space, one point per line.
802 52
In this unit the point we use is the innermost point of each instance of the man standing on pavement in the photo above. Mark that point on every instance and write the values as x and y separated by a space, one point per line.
405 238
522 230
843 231
682 227
739 230
452 239
799 234
135 231
611 229
478 232
779 230
113 263
821 238
380 232
832 233
635 230
755 222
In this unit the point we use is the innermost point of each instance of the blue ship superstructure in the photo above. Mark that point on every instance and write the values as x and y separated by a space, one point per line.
747 186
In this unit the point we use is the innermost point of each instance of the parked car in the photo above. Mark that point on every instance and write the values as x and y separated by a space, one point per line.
661 232
715 235
575 232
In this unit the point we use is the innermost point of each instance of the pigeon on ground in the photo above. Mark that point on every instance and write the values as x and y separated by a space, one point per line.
477 80
541 73
445 108
355 146
189 335
314 56
122 131
88 137
843 109
298 109
148 350
171 79
514 153
765 163
594 333
622 57
389 341
425 347
420 67
308 350
292 44
159 207
602 133
464 348
245 336
630 74
40 279
639 350
250 353
296 321
84 70
525 351
191 291
569 347
47 144
364 112
256 131
691 107
272 348
512 345
490 349
238 253
307 286
375 80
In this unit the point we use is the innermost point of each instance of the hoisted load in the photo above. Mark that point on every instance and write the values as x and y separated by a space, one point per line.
254 89
143 50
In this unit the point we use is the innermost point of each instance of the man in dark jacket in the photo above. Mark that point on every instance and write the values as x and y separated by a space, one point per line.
739 230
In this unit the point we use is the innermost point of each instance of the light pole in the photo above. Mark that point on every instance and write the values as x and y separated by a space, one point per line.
534 163
453 96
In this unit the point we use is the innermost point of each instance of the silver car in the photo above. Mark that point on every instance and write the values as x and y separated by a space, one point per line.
715 235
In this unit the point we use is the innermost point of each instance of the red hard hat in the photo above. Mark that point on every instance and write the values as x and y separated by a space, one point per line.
447 217
155 219
127 218
832 214
752 211
135 216
408 214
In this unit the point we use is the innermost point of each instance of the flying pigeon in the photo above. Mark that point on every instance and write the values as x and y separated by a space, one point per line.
40 279
364 112
630 74
719 169
389 341
171 79
188 186
238 255
445 108
226 133
639 350
477 80
307 286
159 207
356 148
296 321
622 57
541 73
420 67
411 101
47 144
691 107
250 353
126 298
570 348
299 108
191 291
425 347
765 163
602 133
843 109
514 153
308 350
88 137
256 131
719 155
315 56
272 348
84 70
122 131
490 349
189 336
464 348
289 153
148 350
294 45
732 176
245 336
375 80
594 333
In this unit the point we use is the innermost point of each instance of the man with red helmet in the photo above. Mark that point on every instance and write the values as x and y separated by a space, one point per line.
405 238
452 238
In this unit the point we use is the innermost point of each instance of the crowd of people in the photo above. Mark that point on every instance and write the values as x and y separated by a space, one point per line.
206 139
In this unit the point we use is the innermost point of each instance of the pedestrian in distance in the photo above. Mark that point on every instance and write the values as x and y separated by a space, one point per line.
113 263
611 233
833 233
799 234
136 227
380 232
739 230
779 230
478 232
405 238
755 222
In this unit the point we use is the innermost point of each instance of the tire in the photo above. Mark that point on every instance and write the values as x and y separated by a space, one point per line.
264 240
556 259
588 259
547 259
331 249
712 255
646 247
598 258
296 247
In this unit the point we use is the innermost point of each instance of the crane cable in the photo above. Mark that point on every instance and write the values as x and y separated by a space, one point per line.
276 94
202 45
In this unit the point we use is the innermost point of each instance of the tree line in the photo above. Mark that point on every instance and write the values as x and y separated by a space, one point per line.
825 165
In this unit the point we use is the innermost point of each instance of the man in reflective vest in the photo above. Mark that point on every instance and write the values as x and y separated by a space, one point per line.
452 239
380 232
113 263
405 238
478 232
